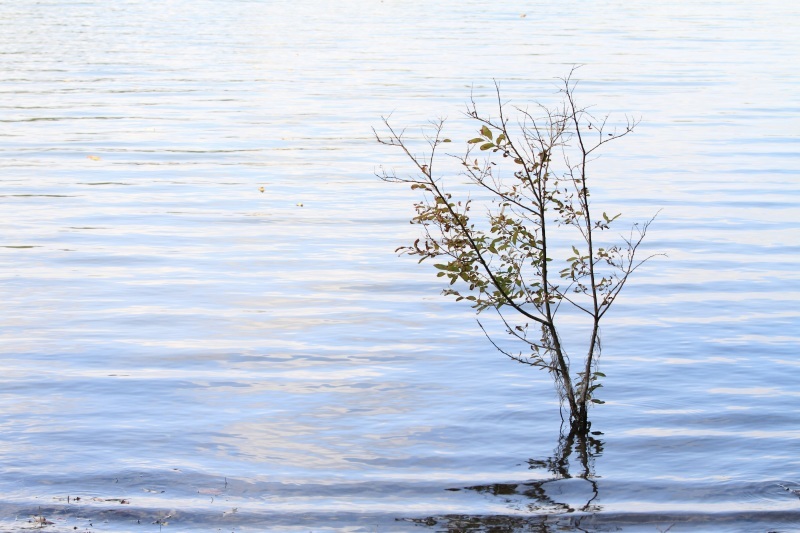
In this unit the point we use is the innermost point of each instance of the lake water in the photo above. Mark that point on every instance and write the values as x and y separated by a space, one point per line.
182 352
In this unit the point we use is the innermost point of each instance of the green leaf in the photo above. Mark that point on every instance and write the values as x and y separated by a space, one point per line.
599 374
486 132
446 141
475 140
595 400
487 146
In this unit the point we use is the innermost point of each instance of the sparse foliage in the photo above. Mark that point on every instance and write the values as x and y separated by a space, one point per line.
498 254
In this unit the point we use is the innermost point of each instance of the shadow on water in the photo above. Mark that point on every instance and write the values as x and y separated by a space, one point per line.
558 502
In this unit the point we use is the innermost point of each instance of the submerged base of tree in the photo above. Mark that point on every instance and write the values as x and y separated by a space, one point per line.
573 458
498 254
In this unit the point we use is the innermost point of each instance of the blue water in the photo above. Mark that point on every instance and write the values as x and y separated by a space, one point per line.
182 352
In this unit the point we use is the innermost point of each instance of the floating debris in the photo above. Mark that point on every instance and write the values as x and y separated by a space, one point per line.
39 522
163 520
121 501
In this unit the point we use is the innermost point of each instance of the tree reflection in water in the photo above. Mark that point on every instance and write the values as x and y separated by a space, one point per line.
532 507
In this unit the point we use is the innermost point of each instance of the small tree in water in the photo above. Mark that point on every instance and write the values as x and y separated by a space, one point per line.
534 169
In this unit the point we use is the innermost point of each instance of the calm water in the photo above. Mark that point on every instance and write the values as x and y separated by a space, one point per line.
223 359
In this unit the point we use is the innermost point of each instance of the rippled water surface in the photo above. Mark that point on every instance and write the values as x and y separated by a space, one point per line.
182 352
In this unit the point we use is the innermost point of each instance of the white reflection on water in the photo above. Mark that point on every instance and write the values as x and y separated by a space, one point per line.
755 391
686 432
